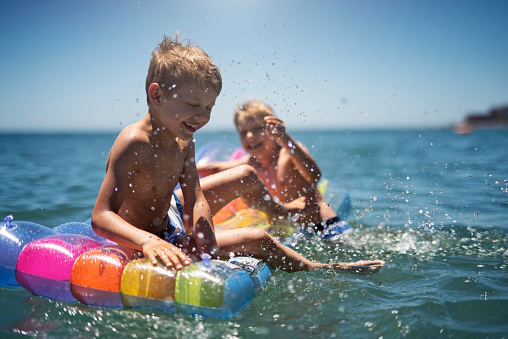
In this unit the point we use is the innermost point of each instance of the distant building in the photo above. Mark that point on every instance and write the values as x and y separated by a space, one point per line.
495 117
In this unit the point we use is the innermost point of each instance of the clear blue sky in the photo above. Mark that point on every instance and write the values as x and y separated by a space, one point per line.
81 65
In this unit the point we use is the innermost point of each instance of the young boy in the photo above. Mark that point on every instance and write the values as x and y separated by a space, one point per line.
283 165
151 156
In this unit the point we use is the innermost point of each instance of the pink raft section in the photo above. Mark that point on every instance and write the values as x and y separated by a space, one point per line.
44 266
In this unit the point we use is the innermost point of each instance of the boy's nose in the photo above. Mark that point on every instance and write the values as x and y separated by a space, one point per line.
203 115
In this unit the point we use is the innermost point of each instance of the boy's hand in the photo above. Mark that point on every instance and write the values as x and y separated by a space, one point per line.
170 255
291 210
361 266
275 129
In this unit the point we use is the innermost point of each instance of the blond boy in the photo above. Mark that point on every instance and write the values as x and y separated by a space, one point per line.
151 156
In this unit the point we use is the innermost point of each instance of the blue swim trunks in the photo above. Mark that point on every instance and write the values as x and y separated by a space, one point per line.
175 227
333 228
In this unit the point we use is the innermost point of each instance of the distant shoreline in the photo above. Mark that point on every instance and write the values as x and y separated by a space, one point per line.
232 131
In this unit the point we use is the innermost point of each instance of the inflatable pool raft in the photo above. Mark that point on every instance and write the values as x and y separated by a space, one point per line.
87 268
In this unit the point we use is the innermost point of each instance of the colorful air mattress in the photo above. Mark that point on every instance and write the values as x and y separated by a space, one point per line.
75 267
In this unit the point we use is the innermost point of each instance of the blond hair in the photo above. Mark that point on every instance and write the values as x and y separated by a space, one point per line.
252 110
174 64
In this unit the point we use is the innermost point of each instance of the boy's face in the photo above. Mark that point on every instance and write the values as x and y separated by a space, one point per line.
185 110
253 136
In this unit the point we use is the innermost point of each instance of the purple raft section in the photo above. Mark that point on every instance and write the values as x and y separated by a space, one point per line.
14 235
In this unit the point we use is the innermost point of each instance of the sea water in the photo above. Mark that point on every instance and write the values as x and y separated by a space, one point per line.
432 204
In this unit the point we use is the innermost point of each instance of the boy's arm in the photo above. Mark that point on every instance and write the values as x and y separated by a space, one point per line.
107 223
197 211
219 166
299 155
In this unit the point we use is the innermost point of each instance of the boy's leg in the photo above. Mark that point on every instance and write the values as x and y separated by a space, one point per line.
257 243
254 242
242 181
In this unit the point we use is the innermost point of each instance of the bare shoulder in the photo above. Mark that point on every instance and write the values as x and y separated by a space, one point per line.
302 146
134 133
131 142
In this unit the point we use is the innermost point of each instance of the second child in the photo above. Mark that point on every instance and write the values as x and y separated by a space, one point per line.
283 165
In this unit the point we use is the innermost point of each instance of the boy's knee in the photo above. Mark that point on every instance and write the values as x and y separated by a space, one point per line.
260 234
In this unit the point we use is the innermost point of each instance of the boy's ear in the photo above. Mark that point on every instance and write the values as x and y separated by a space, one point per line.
155 94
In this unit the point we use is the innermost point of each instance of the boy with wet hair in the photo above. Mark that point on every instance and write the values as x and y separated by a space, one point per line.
136 206
284 166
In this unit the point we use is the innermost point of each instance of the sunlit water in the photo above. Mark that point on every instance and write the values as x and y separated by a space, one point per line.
430 203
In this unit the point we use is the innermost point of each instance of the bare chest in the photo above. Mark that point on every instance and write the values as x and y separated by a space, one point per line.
151 187
281 179
162 169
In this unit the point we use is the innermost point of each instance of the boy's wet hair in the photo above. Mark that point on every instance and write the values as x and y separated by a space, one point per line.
252 110
174 64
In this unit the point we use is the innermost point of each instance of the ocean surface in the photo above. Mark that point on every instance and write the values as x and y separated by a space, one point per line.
432 204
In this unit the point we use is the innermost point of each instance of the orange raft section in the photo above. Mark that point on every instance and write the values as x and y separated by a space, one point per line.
237 214
97 274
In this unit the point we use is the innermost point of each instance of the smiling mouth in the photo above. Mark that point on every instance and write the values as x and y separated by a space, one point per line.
253 147
191 128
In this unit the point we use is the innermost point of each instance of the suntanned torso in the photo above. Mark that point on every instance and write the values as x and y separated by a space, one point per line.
148 161
280 176
283 180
